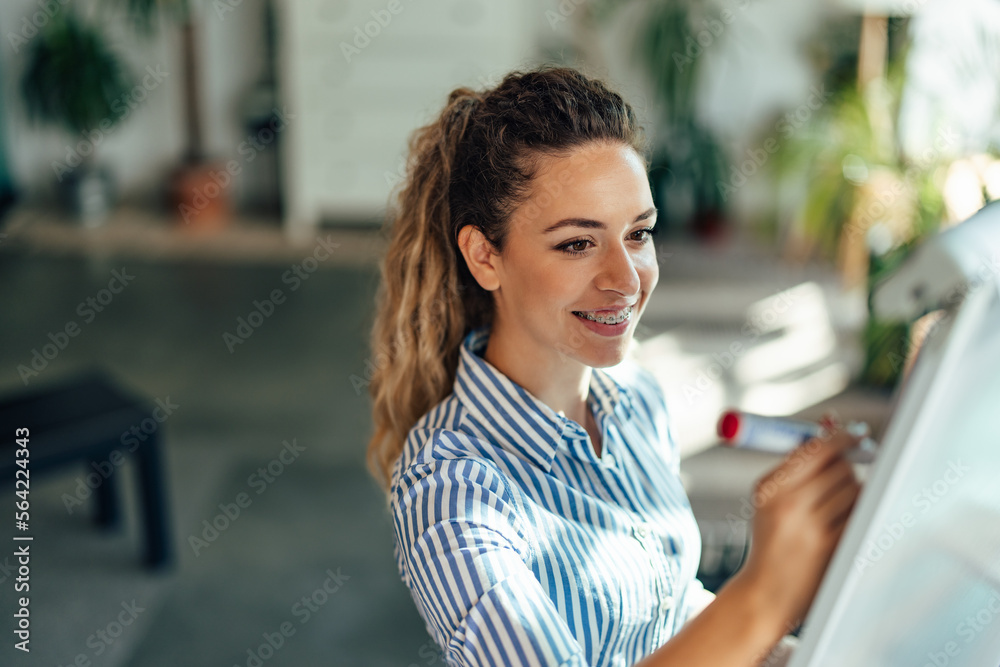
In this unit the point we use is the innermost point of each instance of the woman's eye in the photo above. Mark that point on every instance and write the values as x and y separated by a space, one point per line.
575 247
579 246
649 231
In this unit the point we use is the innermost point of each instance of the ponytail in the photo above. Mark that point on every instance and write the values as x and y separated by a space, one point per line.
420 320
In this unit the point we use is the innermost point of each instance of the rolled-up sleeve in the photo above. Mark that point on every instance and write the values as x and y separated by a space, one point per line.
463 554
696 598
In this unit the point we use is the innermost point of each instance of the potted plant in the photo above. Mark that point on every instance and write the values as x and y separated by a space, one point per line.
866 204
687 159
194 193
74 80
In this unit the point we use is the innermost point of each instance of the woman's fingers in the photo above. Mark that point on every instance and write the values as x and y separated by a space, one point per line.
807 460
836 475
803 506
837 506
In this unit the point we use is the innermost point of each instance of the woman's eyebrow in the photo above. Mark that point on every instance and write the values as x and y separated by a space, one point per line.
594 224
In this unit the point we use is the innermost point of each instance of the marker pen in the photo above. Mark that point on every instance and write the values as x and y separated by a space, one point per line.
779 435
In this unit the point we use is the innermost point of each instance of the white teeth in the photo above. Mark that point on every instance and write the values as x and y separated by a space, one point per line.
610 318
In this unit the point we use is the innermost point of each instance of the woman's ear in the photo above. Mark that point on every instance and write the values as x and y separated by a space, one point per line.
480 256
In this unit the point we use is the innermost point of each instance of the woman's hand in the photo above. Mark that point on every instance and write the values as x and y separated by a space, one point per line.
801 508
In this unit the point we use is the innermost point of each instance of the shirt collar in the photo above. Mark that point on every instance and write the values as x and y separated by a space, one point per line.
517 420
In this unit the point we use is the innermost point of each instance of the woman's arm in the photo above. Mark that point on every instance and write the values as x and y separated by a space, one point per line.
737 628
464 557
802 507
697 597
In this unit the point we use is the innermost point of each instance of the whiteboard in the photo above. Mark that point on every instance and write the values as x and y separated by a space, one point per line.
915 580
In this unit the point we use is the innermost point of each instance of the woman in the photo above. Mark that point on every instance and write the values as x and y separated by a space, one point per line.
538 511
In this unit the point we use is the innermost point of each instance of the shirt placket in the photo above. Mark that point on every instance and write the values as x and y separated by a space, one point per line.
663 573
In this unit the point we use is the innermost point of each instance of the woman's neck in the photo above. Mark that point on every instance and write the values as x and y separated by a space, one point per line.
561 383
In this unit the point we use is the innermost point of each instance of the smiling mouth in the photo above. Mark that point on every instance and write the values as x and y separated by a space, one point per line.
606 317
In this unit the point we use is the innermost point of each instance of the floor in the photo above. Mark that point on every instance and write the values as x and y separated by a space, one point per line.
305 574
290 380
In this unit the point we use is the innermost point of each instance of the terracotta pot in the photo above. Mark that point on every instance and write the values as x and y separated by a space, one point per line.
199 194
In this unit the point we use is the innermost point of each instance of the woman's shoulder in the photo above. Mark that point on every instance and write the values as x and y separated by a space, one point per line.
441 464
441 439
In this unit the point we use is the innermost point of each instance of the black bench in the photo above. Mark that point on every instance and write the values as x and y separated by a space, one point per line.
84 418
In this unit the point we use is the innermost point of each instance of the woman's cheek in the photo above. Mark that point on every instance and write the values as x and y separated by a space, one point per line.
648 269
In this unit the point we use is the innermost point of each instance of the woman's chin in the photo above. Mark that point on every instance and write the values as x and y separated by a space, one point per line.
604 356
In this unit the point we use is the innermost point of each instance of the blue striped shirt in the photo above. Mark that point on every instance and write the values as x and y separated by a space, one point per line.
519 545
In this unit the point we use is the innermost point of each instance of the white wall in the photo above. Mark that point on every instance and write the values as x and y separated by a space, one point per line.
361 76
148 143
352 118
359 96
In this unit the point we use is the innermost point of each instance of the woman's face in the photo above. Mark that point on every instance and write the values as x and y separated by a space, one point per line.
579 249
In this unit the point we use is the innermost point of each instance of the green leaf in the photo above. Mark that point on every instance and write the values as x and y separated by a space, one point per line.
72 77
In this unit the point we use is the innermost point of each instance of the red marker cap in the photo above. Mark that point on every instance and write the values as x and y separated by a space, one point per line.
728 425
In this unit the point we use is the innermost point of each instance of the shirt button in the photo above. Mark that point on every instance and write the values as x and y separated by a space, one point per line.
640 530
618 660
666 603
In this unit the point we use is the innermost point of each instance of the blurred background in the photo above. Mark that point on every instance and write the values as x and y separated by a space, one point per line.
191 201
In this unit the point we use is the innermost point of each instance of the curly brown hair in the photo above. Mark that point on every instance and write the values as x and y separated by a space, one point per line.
473 165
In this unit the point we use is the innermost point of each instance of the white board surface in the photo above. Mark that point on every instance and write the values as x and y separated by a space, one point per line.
915 580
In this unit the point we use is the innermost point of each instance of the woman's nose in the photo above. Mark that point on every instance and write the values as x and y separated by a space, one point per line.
618 271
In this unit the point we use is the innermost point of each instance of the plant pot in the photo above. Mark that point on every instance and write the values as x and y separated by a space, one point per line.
89 193
199 194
